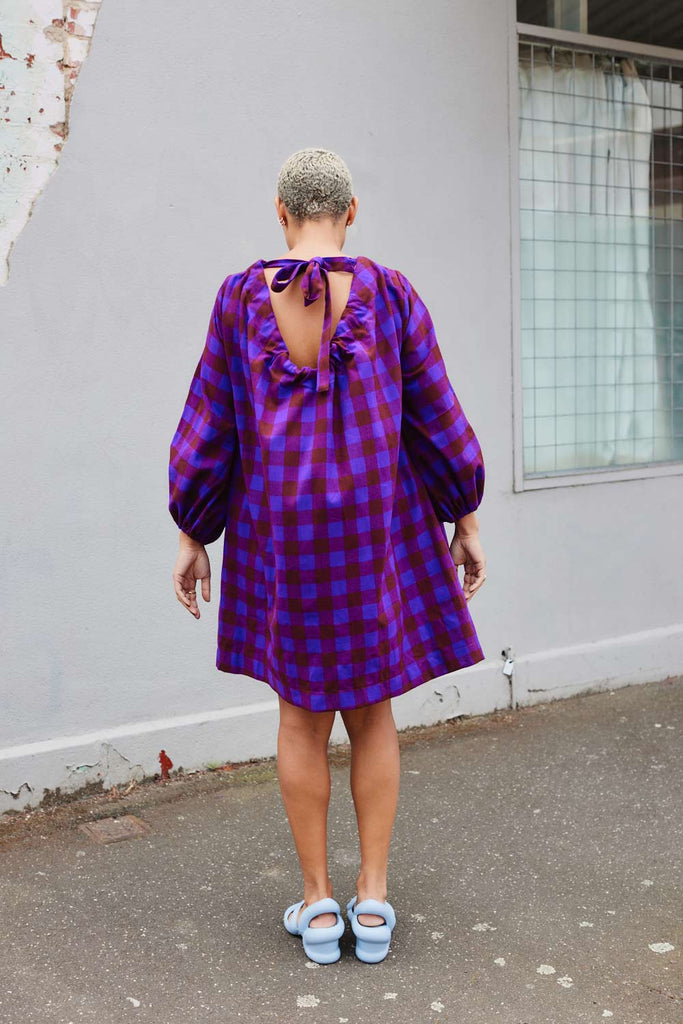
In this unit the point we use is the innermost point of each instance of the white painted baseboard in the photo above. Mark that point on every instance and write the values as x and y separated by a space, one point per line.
237 733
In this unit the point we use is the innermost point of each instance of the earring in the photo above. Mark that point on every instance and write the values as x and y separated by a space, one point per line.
282 220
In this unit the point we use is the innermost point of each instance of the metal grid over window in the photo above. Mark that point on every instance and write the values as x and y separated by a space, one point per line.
601 259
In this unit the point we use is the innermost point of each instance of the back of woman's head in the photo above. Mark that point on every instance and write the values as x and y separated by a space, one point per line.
315 183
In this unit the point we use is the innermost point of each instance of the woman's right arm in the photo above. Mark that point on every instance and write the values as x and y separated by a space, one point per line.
437 433
440 438
467 526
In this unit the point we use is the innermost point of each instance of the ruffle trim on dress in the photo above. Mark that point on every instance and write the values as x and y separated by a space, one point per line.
280 365
350 328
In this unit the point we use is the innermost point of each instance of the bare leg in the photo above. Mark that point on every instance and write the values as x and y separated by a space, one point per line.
375 776
304 776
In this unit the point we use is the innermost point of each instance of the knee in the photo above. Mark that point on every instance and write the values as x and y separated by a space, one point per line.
305 725
360 721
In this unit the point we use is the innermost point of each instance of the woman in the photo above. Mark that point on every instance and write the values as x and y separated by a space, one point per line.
325 439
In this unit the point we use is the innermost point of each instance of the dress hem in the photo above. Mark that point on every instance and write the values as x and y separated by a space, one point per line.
239 663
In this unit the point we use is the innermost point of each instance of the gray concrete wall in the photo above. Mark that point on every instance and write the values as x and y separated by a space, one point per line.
165 185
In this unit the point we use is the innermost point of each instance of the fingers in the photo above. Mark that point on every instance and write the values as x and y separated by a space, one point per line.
193 606
186 593
474 580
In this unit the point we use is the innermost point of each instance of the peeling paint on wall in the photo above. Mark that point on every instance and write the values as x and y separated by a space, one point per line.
42 48
111 768
15 793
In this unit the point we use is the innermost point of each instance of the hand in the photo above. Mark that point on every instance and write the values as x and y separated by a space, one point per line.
467 550
191 565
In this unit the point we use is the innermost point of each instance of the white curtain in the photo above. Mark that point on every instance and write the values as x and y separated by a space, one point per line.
591 393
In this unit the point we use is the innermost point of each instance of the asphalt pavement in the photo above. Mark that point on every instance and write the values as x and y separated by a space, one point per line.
535 873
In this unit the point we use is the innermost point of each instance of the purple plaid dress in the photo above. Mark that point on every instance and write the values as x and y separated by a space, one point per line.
332 484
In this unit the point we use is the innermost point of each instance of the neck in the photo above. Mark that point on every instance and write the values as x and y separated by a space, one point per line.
315 240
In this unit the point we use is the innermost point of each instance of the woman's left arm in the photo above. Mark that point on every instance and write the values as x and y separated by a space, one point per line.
200 462
203 445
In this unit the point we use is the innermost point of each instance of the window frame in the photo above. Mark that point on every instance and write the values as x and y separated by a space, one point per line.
524 32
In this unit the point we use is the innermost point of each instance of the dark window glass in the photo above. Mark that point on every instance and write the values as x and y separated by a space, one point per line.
658 23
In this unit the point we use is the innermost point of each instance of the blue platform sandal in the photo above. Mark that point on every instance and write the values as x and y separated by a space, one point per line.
320 944
372 940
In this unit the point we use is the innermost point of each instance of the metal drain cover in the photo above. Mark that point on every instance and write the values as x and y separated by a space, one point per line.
114 830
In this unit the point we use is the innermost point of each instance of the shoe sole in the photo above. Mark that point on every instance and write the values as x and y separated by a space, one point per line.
321 945
372 943
323 952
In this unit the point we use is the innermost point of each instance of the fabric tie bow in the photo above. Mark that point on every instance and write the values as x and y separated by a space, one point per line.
314 281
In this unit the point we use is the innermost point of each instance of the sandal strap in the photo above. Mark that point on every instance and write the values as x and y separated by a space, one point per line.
291 912
327 905
373 906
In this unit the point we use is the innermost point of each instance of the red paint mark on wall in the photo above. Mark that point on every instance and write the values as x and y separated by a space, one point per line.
3 51
165 762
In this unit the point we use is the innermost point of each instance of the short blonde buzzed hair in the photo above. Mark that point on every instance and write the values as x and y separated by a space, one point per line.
315 183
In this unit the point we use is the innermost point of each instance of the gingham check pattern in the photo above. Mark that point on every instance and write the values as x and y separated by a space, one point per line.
337 585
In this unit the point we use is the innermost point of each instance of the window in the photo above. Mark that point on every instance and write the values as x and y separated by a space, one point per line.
601 255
